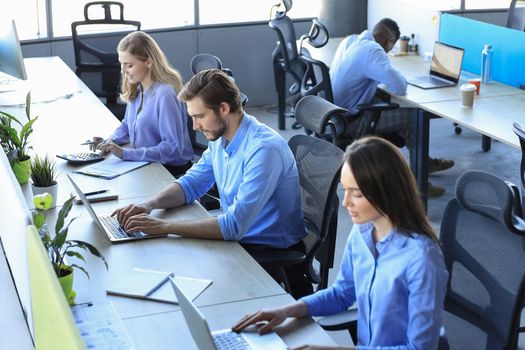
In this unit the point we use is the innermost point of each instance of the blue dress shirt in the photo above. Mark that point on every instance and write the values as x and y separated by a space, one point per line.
399 284
359 65
159 132
258 184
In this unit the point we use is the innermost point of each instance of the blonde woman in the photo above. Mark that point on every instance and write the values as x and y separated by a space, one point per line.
155 123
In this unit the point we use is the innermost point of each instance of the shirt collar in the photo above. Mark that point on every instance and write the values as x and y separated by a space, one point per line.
393 238
149 92
238 137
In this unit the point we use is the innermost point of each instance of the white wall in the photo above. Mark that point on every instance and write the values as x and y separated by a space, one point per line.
411 18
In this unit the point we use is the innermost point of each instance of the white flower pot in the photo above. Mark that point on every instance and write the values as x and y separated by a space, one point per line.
52 190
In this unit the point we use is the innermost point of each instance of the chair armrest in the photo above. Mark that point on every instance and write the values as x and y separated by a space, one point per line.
377 107
341 321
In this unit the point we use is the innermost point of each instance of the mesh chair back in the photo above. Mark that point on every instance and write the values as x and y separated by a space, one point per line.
319 164
485 260
521 135
204 61
96 59
516 16
316 80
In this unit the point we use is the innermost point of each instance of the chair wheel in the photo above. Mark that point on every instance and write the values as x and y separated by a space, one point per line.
458 130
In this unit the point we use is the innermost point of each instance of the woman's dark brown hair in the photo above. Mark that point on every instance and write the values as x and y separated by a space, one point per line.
385 179
214 87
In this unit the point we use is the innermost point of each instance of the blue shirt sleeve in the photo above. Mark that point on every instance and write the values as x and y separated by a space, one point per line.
171 115
261 176
199 179
380 69
340 295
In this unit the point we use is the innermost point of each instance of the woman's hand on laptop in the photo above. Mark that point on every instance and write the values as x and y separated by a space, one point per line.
266 320
123 214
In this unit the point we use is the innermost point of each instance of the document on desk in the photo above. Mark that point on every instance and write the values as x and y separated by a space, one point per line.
110 168
154 285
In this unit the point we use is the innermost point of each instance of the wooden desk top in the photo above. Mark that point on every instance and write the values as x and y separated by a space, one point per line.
171 327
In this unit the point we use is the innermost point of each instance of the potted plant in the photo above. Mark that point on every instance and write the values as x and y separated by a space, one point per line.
59 247
15 144
43 177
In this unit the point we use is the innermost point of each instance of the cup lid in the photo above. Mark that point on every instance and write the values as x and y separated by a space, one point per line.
468 87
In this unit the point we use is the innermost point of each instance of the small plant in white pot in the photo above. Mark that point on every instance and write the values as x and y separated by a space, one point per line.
43 177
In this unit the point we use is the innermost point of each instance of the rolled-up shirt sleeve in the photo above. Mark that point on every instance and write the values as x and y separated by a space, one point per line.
262 175
199 179
380 69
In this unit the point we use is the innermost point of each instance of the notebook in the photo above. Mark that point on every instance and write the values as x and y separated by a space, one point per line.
57 326
110 168
224 339
154 285
99 197
109 224
444 69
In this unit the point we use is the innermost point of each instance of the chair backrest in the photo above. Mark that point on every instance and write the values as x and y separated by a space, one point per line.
319 163
315 114
516 16
97 60
316 80
484 248
521 135
204 61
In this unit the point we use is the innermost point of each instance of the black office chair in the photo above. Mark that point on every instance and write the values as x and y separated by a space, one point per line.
319 164
483 237
317 115
97 60
286 61
516 16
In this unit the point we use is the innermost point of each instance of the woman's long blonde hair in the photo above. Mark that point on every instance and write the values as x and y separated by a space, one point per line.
143 46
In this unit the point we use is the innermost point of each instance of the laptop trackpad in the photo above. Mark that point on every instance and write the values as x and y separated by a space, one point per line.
267 341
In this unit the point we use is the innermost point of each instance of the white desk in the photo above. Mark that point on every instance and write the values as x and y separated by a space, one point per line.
494 110
239 285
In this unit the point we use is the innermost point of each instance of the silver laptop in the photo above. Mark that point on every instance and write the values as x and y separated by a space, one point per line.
224 339
444 69
109 224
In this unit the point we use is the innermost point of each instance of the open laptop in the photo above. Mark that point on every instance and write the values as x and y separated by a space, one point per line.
444 69
57 326
223 339
109 224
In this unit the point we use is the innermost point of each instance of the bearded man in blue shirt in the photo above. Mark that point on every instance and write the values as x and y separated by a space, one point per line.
359 65
255 173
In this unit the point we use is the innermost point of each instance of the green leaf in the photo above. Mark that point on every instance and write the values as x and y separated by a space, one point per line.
92 249
75 254
80 268
28 105
63 213
60 237
38 219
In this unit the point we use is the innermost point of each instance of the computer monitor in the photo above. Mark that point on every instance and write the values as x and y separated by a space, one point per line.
11 59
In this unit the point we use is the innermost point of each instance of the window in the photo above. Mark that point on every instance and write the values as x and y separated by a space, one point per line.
486 4
156 14
29 16
232 11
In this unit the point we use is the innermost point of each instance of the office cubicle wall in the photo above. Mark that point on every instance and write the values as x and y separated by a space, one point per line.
508 47
14 219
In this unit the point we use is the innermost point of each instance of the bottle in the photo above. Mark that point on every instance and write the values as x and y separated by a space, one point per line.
486 62
412 44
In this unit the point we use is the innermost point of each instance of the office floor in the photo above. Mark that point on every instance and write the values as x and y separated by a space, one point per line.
464 149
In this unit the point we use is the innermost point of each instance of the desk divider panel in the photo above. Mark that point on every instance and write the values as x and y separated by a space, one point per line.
508 45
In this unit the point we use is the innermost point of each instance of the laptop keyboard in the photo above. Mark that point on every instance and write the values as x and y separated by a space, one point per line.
116 230
230 340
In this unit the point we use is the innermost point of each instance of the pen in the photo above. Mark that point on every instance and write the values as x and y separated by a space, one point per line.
95 192
88 142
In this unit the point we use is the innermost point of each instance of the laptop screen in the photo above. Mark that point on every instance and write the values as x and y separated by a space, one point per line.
446 61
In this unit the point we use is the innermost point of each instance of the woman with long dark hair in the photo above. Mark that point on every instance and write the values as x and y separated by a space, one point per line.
392 265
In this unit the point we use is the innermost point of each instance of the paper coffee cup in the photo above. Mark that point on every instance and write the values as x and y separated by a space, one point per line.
476 82
403 44
467 94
